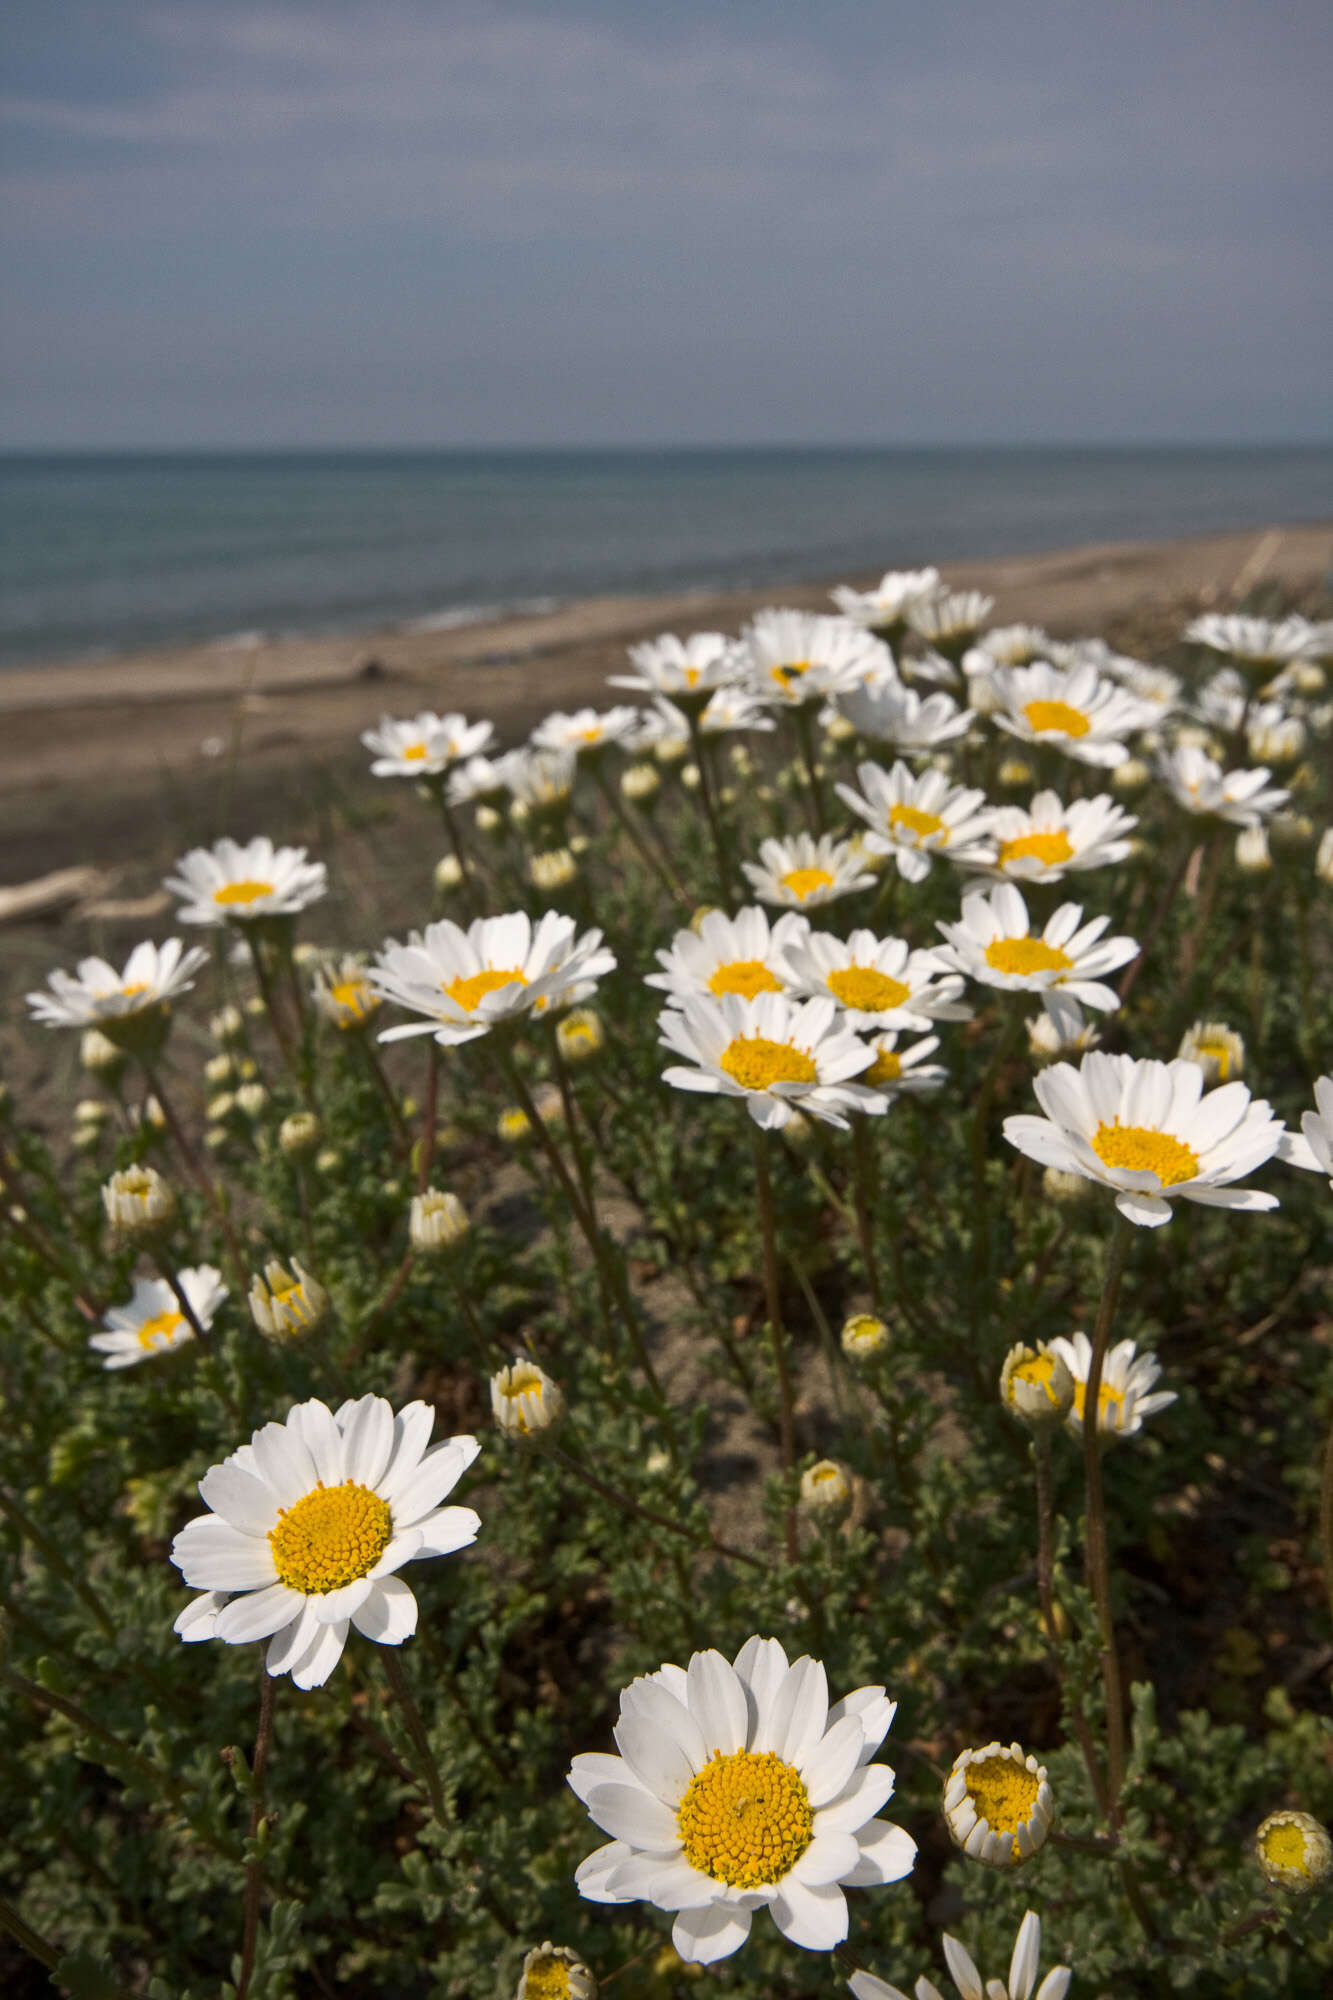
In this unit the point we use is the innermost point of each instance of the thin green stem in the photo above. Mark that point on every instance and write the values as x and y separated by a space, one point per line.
655 860
624 1504
866 1186
1326 1518
427 1767
773 1303
721 857
254 1867
1095 1544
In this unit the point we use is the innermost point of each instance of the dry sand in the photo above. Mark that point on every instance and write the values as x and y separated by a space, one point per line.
93 752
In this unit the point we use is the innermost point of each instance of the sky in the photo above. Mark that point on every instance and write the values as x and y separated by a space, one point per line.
857 221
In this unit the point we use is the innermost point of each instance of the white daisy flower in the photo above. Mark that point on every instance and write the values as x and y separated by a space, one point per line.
1312 1146
343 994
538 779
963 1971
885 608
525 1402
1061 1028
803 871
738 1788
914 818
97 995
1201 786
585 729
1146 1131
1007 646
1080 713
1216 1048
725 709
151 1322
887 712
309 1524
1258 644
1221 702
1125 1396
476 781
422 746
773 1052
877 982
465 982
800 656
1272 736
994 943
727 955
998 1805
950 620
690 668
228 883
1047 840
904 1072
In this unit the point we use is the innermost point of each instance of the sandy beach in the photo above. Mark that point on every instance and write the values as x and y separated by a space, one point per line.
92 750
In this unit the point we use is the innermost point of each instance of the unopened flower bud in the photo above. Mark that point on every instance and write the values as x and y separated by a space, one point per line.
438 1222
1323 860
448 873
671 749
221 1107
1013 771
1036 1386
998 1805
514 1126
285 1304
1218 1050
227 1026
864 1336
555 869
639 784
305 953
139 1204
1294 1852
1289 831
299 1134
251 1099
255 1007
826 1491
487 821
1131 776
1252 852
552 1970
86 1138
524 1401
218 1069
328 1161
580 1035
800 1132
91 1111
100 1056
1057 1184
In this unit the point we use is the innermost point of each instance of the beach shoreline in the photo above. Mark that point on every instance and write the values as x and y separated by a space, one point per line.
81 741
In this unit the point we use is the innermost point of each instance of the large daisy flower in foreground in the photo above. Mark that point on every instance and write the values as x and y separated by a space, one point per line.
1146 1131
423 746
738 1787
804 871
728 955
311 1521
1244 798
776 1054
1077 712
1312 1146
230 883
913 819
963 1971
994 943
466 982
688 669
151 1321
1126 1394
877 982
96 995
1047 840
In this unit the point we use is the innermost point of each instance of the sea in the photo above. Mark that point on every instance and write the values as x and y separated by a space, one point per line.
106 553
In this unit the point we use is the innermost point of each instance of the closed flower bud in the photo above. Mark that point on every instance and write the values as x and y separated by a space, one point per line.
826 1491
218 1069
1218 1050
1014 772
1131 776
227 1026
86 1138
514 1126
251 1099
221 1107
1323 860
554 1972
487 821
580 1035
255 1007
1294 1852
91 1111
524 1401
305 953
1058 1185
329 1161
838 730
100 1056
1289 832
553 870
640 784
285 1304
671 749
438 1222
800 1132
216 1137
448 873
998 1805
1036 1386
863 1337
299 1134
1252 853
689 777
139 1204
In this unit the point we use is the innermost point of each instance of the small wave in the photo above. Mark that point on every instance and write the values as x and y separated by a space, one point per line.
479 614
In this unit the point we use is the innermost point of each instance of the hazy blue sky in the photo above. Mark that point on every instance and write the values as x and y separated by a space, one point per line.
420 222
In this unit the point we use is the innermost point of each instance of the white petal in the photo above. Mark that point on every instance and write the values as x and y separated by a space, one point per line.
962 1969
1148 1210
670 1746
451 1529
701 1937
800 1710
593 1874
199 1618
292 1644
322 1439
668 1882
629 1814
717 1702
437 1474
315 1666
259 1614
870 1787
389 1613
239 1498
335 1604
873 1710
830 1857
887 1854
595 1767
283 1463
815 1918
412 1427
1027 1953
368 1440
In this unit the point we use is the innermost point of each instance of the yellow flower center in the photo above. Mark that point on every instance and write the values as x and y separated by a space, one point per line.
861 986
160 1330
242 892
1110 1404
745 1819
413 753
331 1537
354 995
1219 1053
756 1063
922 824
746 976
1284 1846
139 986
1040 1371
523 1381
470 991
691 676
1052 848
886 1068
789 671
1057 717
548 1981
1003 1792
1024 955
592 735
804 881
1141 1150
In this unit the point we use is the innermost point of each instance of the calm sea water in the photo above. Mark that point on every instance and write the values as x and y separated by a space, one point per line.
104 553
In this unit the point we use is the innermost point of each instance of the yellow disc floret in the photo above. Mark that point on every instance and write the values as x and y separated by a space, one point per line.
757 1063
469 992
1022 956
804 881
745 1819
1139 1149
549 1981
922 824
1049 848
1058 717
160 1330
413 753
1004 1793
862 987
242 892
333 1536
746 976
886 1068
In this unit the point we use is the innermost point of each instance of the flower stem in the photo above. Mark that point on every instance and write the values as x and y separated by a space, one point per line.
867 1200
254 1868
1095 1541
199 1174
805 737
655 861
428 1769
720 855
1326 1518
773 1302
624 1504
